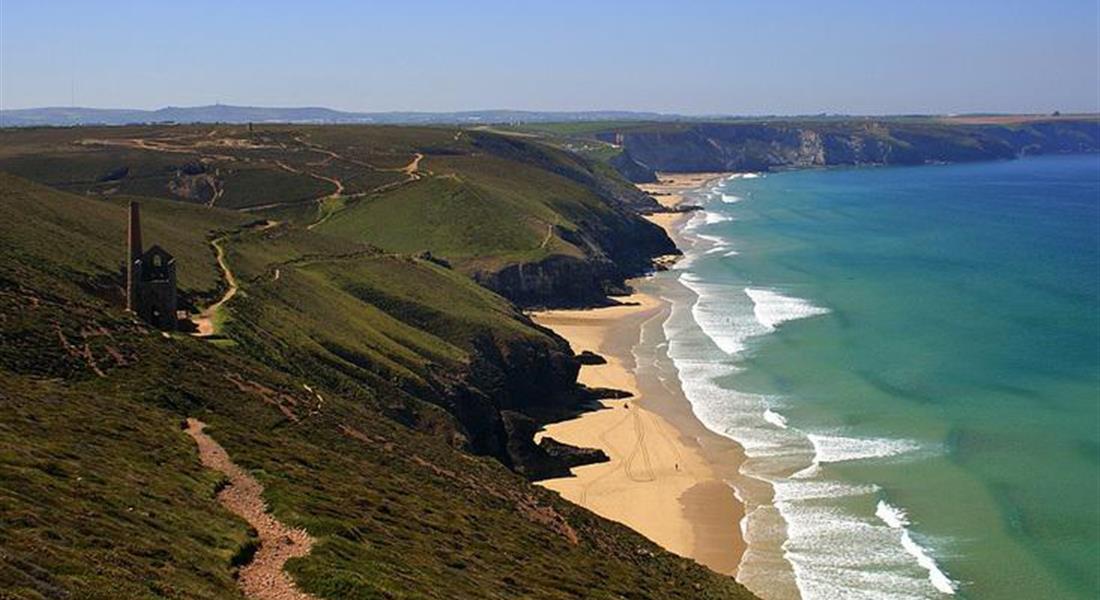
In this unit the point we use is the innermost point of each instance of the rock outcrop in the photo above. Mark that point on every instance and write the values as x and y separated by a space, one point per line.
631 169
616 242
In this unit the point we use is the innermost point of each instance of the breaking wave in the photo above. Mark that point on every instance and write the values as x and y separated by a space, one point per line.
772 309
895 518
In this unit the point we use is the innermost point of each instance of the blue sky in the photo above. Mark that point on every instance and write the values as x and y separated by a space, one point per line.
690 57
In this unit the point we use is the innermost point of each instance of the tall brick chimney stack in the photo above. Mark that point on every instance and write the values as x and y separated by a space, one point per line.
133 265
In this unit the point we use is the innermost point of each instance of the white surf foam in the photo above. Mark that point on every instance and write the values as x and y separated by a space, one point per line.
712 239
891 515
834 551
713 218
775 418
717 313
895 518
838 448
772 309
730 198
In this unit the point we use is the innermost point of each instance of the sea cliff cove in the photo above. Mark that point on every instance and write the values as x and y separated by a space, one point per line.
809 309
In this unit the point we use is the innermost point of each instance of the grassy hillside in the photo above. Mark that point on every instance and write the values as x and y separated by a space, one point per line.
84 237
484 202
335 398
345 314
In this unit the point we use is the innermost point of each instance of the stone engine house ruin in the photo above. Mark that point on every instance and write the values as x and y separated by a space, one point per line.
150 279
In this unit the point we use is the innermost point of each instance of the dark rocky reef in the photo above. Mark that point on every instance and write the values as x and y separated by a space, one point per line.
571 456
791 144
507 389
589 357
558 281
608 393
549 458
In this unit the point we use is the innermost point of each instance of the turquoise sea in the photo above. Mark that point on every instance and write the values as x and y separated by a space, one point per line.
911 358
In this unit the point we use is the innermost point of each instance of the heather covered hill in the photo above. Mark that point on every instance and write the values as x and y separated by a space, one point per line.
490 205
418 341
104 495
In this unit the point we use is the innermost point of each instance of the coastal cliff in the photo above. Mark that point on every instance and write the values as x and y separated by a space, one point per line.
349 384
609 242
763 146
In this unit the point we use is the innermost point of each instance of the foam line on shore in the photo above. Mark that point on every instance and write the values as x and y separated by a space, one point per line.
827 531
896 518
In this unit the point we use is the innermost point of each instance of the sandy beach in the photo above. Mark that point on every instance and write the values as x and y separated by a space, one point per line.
670 187
667 477
669 192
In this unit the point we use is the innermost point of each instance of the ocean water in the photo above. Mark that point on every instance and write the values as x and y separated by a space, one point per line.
911 358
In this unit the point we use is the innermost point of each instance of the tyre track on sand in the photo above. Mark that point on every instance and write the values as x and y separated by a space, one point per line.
612 451
263 577
640 449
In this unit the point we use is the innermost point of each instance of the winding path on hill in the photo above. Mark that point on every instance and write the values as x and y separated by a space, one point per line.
263 577
411 170
549 235
205 320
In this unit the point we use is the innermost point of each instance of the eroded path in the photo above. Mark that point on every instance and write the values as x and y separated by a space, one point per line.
206 321
263 578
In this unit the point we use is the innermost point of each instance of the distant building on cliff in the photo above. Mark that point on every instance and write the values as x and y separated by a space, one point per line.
150 279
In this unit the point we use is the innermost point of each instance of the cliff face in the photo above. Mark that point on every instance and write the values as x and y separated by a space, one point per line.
614 241
616 250
631 169
504 383
783 145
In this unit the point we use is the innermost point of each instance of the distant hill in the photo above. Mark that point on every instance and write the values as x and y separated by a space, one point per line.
223 113
64 116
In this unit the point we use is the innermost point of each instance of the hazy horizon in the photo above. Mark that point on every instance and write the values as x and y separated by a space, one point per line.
710 59
547 111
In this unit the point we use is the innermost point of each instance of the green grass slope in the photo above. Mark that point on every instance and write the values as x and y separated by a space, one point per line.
488 203
103 495
86 238
344 313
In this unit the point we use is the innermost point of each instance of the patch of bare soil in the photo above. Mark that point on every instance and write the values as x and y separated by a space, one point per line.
263 578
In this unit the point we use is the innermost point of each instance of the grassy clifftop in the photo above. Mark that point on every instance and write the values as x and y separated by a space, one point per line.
343 385
486 203
638 149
